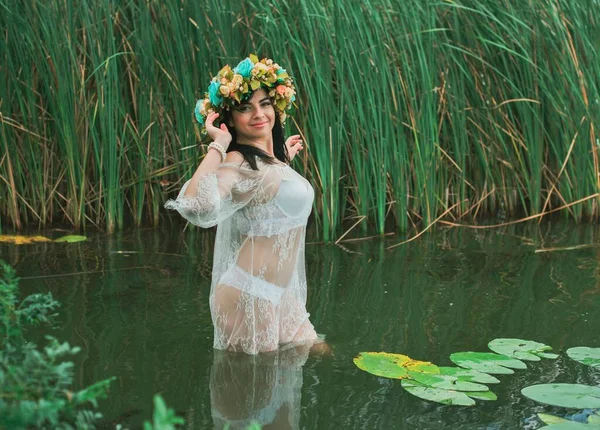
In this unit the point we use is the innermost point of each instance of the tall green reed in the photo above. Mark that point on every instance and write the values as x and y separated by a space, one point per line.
407 111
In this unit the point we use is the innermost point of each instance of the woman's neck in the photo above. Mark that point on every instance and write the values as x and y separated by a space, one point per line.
265 145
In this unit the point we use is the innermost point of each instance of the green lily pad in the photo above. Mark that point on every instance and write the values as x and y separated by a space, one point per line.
569 425
551 419
446 397
548 355
585 355
468 375
71 239
521 349
564 395
482 395
390 365
487 362
594 419
446 382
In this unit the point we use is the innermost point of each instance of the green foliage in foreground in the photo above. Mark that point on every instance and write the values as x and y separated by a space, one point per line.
163 418
408 111
35 383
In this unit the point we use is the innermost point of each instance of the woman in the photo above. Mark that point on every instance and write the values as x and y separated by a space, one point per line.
260 205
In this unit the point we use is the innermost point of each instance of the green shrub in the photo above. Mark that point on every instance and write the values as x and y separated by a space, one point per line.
35 382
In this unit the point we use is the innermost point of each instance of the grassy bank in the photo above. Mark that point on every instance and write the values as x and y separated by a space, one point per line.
407 110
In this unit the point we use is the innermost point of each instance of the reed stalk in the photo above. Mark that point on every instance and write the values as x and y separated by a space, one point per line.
489 108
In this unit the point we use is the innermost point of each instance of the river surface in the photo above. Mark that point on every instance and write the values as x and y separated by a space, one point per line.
137 304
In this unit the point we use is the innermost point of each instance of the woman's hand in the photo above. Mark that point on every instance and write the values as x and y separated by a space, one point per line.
294 145
220 135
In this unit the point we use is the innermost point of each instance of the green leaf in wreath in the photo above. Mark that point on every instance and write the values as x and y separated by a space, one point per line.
564 395
390 365
520 349
585 355
487 362
71 239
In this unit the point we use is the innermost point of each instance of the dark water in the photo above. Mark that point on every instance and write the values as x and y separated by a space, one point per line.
137 304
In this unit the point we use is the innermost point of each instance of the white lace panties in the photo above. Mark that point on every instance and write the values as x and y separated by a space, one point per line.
253 285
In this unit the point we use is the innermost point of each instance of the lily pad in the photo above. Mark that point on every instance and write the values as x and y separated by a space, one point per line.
585 355
593 422
482 395
521 349
548 355
487 362
564 395
569 425
594 419
446 382
71 239
390 365
22 240
468 375
446 397
552 419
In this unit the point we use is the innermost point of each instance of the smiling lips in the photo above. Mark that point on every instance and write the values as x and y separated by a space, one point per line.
260 124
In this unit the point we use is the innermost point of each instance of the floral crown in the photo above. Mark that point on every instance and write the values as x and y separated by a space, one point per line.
234 86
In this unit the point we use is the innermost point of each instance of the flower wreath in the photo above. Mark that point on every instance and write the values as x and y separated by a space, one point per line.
234 86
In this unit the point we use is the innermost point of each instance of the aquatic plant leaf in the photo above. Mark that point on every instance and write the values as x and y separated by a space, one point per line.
446 397
548 355
482 395
585 355
551 419
487 362
446 382
564 395
519 348
570 425
468 375
390 365
71 239
22 240
594 419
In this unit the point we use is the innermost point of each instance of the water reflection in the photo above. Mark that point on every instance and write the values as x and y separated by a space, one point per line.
263 389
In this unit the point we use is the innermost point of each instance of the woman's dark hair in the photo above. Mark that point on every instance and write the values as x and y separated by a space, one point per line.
250 152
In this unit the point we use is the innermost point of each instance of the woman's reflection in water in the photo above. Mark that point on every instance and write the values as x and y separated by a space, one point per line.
262 389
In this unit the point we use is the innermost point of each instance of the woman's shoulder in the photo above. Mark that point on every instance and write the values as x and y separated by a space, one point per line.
235 157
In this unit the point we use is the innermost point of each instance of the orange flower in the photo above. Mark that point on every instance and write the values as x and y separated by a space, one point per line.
281 89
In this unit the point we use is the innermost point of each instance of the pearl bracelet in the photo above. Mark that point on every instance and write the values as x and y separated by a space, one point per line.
219 148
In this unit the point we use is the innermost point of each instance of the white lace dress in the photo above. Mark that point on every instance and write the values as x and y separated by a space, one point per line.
258 289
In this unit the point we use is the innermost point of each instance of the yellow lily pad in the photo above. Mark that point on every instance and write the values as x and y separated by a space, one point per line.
388 365
22 240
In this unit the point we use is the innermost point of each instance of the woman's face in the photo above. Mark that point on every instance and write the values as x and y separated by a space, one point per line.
255 118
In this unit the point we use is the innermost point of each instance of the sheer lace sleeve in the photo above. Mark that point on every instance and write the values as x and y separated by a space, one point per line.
218 196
